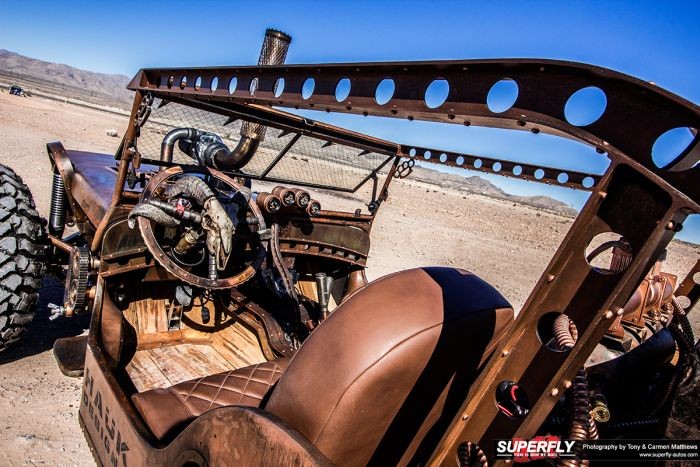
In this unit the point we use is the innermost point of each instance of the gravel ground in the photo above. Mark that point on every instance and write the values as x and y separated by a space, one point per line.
508 245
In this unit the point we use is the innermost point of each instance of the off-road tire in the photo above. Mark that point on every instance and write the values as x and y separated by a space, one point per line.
23 243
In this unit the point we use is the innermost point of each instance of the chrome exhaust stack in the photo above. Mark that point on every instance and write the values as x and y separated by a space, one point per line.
274 52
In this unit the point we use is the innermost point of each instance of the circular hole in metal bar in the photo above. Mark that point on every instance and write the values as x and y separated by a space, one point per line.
279 87
171 81
253 86
511 399
342 89
232 85
563 177
460 160
183 82
385 91
671 145
502 95
427 155
436 93
198 83
588 182
478 163
585 106
443 157
214 85
539 174
608 253
517 170
307 89
497 166
557 332
684 301
412 152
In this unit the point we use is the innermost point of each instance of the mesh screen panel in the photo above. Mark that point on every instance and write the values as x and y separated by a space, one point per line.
310 161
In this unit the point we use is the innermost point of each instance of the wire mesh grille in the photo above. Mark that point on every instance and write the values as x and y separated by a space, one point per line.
310 161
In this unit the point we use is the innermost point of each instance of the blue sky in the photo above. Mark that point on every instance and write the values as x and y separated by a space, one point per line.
654 41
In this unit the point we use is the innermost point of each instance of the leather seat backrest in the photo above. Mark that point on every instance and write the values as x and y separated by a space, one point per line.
381 379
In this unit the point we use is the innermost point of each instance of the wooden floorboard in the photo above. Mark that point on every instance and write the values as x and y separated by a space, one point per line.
188 361
246 350
145 374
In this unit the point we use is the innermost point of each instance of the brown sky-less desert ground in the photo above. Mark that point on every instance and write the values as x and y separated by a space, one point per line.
507 244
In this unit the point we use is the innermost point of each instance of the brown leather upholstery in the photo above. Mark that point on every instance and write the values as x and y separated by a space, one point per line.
379 381
168 408
93 182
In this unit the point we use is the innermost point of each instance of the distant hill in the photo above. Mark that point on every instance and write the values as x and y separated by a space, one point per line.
111 89
476 184
105 85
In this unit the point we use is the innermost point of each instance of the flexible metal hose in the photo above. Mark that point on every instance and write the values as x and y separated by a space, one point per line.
682 317
582 426
469 454
565 332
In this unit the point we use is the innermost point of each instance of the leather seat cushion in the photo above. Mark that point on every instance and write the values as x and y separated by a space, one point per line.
381 379
164 409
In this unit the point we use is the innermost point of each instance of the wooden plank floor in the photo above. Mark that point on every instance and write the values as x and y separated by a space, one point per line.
158 367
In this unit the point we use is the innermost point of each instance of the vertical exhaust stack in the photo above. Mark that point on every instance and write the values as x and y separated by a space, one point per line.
274 52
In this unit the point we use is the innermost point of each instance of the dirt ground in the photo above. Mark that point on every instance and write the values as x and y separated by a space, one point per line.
508 245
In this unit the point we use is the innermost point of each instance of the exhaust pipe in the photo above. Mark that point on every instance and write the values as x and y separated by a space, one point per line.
274 52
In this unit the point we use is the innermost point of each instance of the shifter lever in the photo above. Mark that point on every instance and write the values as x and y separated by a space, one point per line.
324 283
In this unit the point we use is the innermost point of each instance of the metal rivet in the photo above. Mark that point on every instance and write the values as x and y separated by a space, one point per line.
567 384
620 311
550 278
555 391
671 225
465 417
609 315
602 194
505 353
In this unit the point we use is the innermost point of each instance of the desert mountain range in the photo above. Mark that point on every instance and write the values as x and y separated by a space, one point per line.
113 87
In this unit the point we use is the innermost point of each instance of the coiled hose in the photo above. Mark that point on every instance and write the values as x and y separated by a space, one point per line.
469 454
582 426
565 332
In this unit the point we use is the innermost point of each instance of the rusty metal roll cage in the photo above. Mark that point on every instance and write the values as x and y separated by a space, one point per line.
636 199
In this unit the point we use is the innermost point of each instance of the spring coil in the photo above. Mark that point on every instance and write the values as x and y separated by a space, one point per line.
57 213
565 332
470 454
581 425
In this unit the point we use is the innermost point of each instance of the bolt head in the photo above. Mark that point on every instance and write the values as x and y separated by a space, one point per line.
555 392
609 315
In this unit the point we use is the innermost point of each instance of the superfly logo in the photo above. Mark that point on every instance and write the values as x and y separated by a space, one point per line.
538 448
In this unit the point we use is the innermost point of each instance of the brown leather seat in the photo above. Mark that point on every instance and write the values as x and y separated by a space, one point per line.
381 379
93 182
168 408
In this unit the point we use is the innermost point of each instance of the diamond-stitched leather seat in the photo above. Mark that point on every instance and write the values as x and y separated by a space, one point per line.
166 408
382 378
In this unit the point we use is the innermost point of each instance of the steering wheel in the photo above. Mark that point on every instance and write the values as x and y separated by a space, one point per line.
192 266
